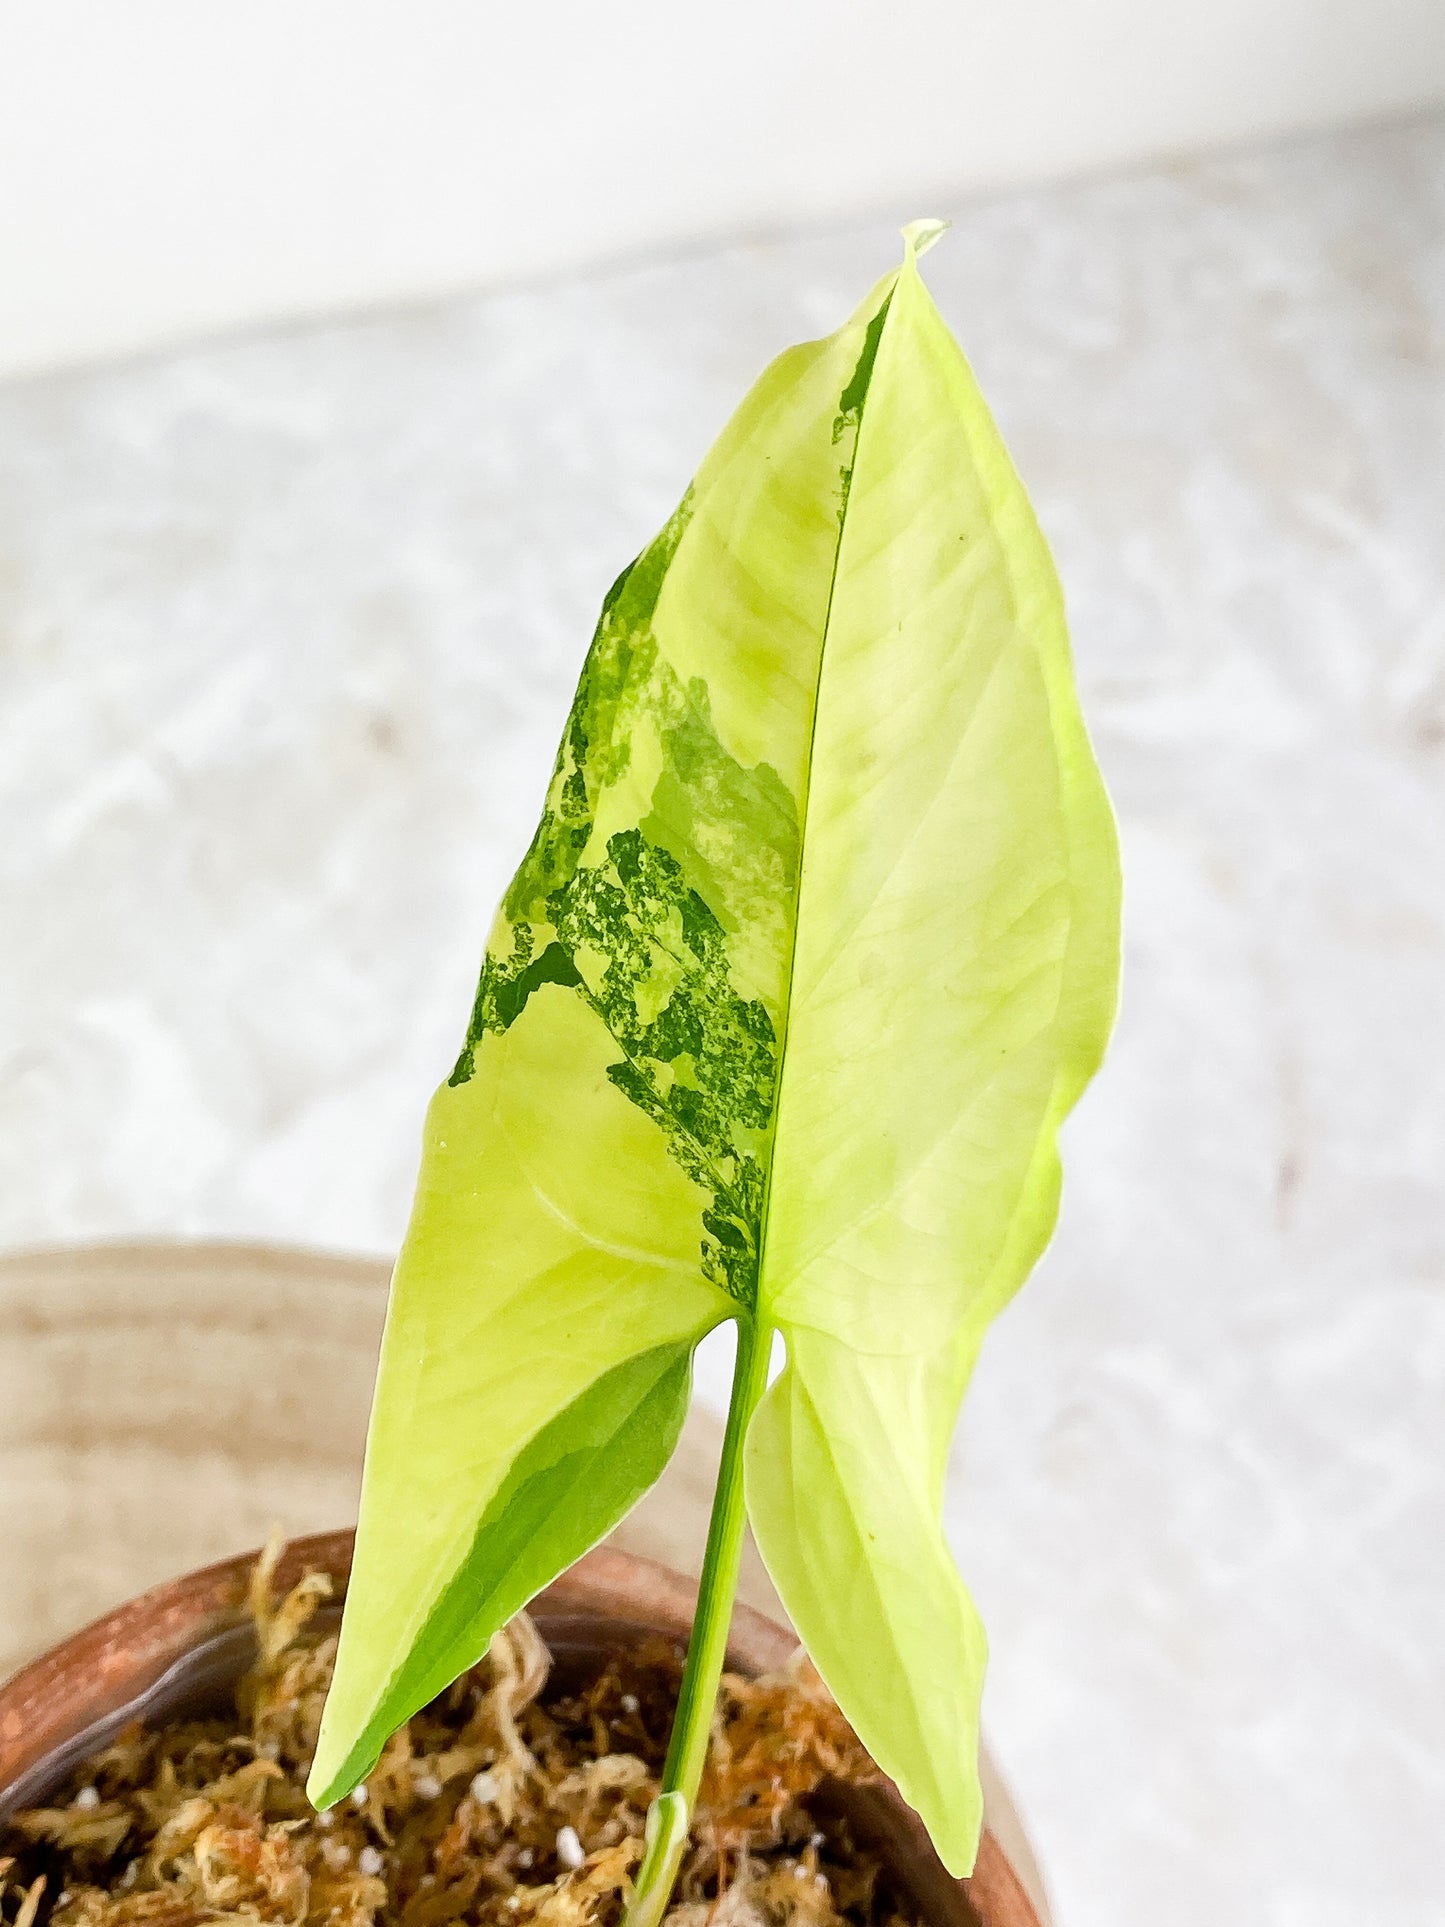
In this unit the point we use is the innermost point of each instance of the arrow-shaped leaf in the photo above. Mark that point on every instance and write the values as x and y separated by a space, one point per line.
814 948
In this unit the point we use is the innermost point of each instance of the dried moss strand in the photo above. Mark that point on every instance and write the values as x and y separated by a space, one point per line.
506 1803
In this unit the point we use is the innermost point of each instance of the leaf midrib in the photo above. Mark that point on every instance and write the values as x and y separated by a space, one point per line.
786 1008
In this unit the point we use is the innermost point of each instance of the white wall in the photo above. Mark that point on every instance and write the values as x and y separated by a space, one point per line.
169 167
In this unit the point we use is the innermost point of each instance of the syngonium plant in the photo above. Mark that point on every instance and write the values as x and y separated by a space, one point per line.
813 949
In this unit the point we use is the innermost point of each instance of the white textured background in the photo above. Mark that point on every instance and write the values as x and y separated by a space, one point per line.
289 628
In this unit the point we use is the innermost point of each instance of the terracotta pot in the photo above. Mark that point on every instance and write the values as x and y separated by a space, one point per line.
163 1403
181 1646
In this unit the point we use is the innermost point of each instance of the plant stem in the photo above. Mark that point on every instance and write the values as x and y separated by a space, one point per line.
667 1823
707 1648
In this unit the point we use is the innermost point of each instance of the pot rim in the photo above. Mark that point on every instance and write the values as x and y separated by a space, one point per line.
55 1709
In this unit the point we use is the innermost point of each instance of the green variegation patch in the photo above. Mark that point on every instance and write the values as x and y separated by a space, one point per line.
812 951
635 928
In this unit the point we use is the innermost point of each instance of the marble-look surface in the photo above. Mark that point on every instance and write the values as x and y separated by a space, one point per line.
289 627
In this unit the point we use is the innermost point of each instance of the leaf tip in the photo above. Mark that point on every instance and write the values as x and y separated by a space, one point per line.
919 236
322 1791
328 1783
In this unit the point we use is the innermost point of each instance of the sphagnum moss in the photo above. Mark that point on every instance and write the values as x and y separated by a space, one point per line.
501 1805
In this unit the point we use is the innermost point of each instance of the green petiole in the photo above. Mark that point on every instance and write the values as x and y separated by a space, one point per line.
671 1812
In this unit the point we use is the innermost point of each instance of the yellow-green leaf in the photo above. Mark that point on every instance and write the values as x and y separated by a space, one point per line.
537 1267
811 953
952 990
